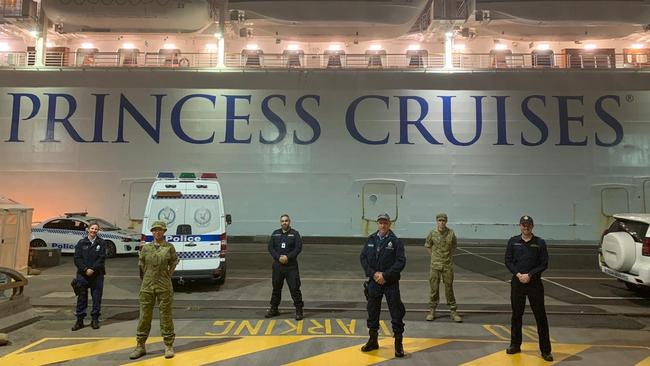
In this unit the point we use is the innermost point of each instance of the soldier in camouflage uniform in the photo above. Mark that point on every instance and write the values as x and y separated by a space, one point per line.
157 263
441 243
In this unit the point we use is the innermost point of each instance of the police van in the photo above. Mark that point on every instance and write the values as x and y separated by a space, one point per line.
196 222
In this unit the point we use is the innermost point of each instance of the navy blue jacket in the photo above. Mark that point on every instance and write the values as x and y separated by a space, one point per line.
289 244
88 255
527 257
386 255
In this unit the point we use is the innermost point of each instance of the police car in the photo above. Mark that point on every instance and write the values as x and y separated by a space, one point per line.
192 207
624 251
65 231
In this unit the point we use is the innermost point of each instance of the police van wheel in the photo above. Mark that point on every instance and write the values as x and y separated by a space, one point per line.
37 243
221 279
111 251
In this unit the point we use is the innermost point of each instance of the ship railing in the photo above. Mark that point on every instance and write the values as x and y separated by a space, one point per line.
380 61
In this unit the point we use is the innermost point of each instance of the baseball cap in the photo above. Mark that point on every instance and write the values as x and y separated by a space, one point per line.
526 220
383 216
159 224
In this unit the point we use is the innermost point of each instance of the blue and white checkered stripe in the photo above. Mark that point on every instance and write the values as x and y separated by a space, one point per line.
188 238
198 255
78 233
189 197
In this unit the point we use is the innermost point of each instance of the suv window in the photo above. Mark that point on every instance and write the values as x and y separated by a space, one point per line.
636 229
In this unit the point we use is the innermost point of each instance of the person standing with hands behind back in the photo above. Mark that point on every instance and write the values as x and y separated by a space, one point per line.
526 258
157 263
284 246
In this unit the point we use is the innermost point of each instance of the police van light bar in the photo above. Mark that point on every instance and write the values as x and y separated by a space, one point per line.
70 214
166 175
209 176
187 176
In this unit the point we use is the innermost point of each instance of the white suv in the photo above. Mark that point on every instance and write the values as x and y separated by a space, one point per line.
625 250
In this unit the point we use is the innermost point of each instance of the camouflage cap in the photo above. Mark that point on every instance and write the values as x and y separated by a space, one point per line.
441 215
159 224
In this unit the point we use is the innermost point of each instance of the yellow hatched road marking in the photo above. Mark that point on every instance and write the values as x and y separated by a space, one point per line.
71 352
354 356
529 355
645 362
223 351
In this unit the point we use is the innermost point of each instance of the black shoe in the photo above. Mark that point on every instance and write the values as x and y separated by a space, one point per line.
272 312
547 357
95 323
78 325
372 343
399 347
299 315
512 350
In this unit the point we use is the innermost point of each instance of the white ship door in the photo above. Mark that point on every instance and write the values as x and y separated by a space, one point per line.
379 198
646 196
613 199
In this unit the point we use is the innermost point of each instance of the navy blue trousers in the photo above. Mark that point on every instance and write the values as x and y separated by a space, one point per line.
96 286
395 306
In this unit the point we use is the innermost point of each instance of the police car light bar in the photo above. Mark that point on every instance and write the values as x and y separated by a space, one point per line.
166 175
209 176
186 175
70 214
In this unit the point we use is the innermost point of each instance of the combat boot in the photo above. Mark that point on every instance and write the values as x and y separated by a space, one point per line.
431 315
138 351
273 311
78 325
169 351
372 343
299 314
399 347
456 317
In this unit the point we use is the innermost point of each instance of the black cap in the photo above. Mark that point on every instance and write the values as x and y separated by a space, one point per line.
383 216
526 220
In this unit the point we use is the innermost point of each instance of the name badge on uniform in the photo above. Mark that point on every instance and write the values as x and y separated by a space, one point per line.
284 245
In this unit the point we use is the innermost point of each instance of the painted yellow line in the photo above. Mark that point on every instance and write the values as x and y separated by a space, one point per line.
71 352
529 356
223 351
645 362
354 356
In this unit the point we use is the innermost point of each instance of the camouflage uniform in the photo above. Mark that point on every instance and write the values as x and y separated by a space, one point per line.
157 264
442 246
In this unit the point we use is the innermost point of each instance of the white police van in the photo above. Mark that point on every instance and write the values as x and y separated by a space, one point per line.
196 223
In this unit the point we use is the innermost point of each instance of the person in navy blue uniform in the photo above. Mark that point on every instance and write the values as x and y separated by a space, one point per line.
284 246
383 259
526 258
89 258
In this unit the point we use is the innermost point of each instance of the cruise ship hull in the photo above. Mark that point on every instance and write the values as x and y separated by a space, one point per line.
335 148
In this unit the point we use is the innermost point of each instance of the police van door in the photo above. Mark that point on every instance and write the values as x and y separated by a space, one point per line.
168 205
203 213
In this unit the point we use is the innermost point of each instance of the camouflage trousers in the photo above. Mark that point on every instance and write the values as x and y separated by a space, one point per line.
147 301
446 274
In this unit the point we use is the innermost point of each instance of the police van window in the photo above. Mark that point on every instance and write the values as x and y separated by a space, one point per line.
56 224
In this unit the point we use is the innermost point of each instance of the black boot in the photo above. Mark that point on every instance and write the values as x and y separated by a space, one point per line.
273 311
399 348
78 325
372 343
299 315
95 323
